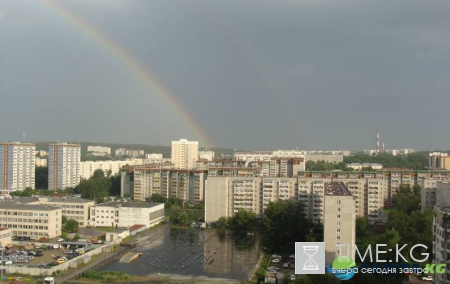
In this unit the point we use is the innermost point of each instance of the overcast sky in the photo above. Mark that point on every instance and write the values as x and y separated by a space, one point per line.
253 74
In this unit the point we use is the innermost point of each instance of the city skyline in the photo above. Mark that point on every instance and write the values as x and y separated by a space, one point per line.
277 75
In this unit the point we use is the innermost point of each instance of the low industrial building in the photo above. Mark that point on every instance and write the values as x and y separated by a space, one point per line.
126 214
31 220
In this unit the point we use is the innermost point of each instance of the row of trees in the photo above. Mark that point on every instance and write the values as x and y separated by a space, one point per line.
99 186
283 224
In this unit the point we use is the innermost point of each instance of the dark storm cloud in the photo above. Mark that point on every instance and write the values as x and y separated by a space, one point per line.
253 74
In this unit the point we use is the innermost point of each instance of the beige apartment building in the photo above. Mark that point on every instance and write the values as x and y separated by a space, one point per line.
187 185
17 166
63 165
31 220
339 221
184 154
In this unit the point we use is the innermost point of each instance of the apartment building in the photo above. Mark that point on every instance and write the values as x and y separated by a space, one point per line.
437 160
63 165
99 150
428 193
187 185
184 154
339 220
206 155
31 220
126 214
122 152
441 239
442 193
87 168
17 166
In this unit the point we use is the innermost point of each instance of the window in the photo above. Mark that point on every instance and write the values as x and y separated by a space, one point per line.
338 202
338 223
338 237
339 209
339 216
338 230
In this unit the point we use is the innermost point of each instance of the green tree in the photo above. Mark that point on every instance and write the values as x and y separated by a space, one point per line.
222 223
156 197
71 226
63 220
41 177
243 220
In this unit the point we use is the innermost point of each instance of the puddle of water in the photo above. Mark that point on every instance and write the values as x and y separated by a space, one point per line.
195 253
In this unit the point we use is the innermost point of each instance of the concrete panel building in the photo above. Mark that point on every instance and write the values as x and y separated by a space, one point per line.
17 166
428 193
63 165
441 238
206 155
442 193
126 214
5 236
184 154
339 220
99 150
31 220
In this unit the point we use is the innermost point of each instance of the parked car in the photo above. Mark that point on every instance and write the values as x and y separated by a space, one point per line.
292 266
273 271
42 240
285 265
292 256
273 267
276 256
275 260
33 253
292 277
39 253
60 240
55 263
427 278
60 260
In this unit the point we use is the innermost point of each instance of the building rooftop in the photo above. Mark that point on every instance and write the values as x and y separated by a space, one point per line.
336 188
17 206
70 199
129 204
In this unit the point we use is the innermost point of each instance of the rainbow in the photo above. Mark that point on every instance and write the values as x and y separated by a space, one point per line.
132 63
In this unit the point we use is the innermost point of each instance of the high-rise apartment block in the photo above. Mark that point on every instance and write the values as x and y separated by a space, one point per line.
187 185
63 165
439 161
184 154
339 221
17 166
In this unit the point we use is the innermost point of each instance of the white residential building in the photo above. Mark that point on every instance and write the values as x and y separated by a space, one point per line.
17 166
99 150
126 214
122 152
63 165
361 166
184 154
206 155
87 168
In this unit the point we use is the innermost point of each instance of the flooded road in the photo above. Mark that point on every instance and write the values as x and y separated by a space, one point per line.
193 252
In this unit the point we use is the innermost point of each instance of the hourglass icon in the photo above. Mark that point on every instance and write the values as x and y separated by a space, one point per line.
310 264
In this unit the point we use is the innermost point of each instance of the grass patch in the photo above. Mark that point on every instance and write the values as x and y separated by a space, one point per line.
106 229
106 276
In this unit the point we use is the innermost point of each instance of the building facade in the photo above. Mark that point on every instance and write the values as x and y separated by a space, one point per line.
206 155
5 236
184 154
99 150
31 220
187 185
441 239
339 220
126 214
17 166
439 161
63 165
122 152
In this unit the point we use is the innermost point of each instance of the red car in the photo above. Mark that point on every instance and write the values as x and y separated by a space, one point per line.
42 240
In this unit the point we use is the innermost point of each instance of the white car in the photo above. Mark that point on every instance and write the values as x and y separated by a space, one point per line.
427 278
285 265
276 260
273 271
292 277
276 256
292 256
273 268
60 240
